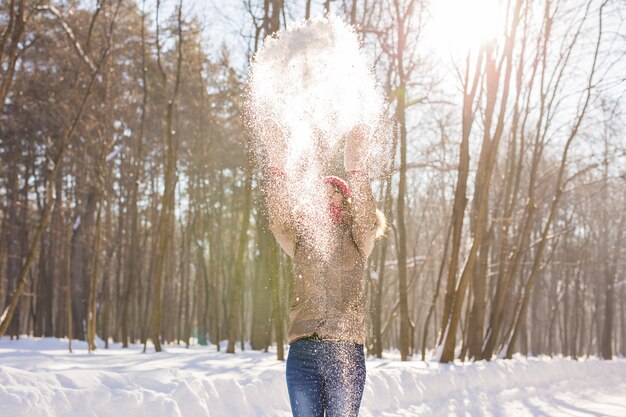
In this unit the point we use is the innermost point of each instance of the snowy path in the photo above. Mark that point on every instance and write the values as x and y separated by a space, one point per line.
40 378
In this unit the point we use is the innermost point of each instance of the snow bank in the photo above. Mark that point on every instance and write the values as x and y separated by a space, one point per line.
38 377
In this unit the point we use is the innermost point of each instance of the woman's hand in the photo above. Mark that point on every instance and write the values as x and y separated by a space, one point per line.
355 152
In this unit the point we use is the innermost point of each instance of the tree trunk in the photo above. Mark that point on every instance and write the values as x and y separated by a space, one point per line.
456 295
263 285
234 319
131 277
622 304
168 194
405 320
93 283
606 344
573 349
14 257
106 299
69 295
565 348
353 13
13 33
377 311
460 199
58 254
83 228
277 308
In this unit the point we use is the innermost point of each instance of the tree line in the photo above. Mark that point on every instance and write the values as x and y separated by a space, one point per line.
131 210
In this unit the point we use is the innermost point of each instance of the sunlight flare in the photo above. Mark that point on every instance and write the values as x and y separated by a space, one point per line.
458 26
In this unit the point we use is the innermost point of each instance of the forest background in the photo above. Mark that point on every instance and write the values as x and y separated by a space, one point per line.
131 210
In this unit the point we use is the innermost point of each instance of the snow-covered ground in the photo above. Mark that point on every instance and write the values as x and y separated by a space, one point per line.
38 377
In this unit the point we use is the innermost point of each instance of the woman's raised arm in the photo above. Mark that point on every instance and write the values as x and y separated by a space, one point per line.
279 202
363 207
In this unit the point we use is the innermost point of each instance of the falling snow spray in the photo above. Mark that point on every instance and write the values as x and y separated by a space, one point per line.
315 81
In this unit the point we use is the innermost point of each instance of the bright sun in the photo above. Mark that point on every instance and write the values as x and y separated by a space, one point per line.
460 25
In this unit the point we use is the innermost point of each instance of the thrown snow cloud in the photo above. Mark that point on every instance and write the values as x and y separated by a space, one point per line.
315 81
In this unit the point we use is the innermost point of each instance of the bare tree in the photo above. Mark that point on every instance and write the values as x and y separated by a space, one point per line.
5 319
170 180
559 188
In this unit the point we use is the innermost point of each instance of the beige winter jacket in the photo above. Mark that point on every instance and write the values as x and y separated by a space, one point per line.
327 297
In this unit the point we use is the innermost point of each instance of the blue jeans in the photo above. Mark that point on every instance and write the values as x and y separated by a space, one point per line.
325 375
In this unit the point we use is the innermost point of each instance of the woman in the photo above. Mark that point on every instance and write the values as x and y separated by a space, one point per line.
326 363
